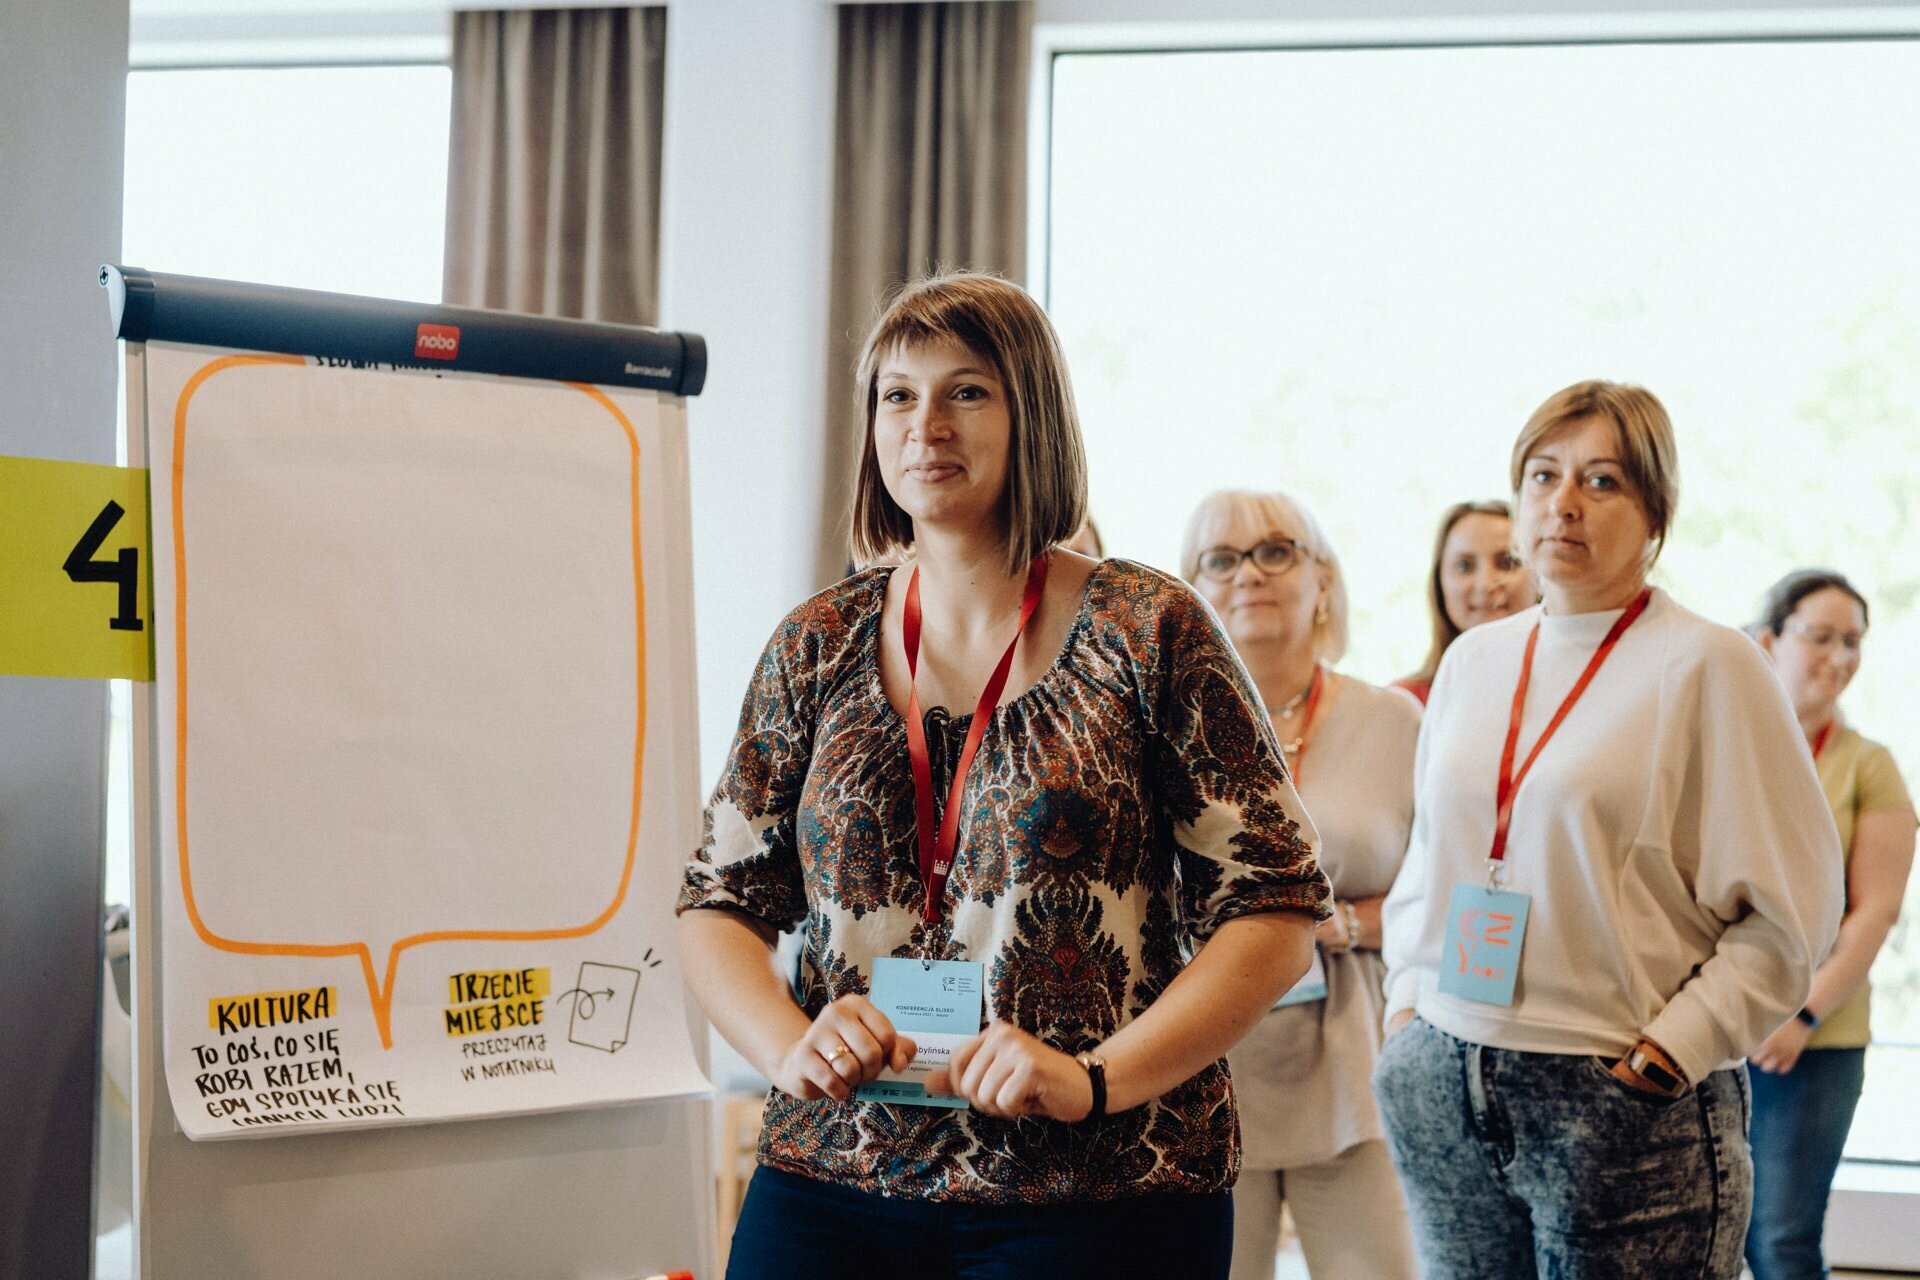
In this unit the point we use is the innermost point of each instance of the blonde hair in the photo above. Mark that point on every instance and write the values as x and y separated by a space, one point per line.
1647 451
1046 492
1269 511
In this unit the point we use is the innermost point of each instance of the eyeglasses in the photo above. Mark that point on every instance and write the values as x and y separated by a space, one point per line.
1272 557
1826 637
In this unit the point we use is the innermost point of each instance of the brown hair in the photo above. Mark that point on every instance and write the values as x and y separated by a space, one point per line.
1784 596
1444 630
1046 494
1647 452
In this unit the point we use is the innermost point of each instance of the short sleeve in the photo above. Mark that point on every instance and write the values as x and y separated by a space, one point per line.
1880 784
1245 843
748 857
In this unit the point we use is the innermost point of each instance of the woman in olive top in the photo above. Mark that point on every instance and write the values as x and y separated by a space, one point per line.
1807 1076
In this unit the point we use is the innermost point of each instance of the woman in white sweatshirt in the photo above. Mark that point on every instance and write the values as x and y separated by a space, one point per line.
1621 876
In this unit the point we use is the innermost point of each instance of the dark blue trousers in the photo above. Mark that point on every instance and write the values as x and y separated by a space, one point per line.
795 1228
1800 1123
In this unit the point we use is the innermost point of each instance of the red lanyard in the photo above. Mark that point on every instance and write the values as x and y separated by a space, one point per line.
1295 752
936 852
1509 781
1820 739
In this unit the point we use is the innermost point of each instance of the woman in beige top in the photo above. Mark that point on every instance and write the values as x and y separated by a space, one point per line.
1312 1132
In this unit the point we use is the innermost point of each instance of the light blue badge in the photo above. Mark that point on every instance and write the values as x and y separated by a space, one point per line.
1480 959
938 1005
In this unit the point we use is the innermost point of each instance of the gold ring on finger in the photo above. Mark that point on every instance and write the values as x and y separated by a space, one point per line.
839 1052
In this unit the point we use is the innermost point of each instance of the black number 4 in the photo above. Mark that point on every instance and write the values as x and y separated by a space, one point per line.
124 569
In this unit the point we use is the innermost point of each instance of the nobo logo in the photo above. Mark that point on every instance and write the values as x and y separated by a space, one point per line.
436 342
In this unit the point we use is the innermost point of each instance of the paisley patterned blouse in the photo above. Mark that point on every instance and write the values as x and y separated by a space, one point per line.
1118 812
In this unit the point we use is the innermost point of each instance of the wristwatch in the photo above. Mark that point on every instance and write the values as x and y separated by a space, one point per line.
1097 1077
1809 1018
1666 1078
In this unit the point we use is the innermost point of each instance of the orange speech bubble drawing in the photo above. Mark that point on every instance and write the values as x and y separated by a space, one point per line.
380 990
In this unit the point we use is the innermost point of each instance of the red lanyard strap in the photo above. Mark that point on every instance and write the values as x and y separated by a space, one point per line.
1509 783
936 851
1820 739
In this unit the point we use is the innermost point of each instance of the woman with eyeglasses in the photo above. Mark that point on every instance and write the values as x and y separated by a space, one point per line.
1308 1119
1476 577
1620 880
1047 859
1809 1073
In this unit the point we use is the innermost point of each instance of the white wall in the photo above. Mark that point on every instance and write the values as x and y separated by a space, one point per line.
746 192
62 85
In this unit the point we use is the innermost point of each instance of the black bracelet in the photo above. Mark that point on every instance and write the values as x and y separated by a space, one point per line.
1097 1077
1809 1017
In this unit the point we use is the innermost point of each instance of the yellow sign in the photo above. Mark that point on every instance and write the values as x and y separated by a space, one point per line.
74 571
498 984
229 1014
508 998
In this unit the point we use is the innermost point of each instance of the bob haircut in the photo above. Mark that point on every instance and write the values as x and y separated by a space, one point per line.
1784 596
1645 434
1270 511
1444 630
1046 494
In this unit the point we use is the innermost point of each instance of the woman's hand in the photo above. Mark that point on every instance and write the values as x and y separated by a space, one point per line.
848 1044
1335 933
1005 1072
1781 1050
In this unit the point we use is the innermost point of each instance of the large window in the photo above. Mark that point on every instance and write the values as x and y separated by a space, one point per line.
321 177
1351 274
318 177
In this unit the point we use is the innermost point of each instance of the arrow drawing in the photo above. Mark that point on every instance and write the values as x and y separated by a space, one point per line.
587 998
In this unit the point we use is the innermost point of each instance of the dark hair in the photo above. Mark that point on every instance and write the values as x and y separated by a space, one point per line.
1784 596
1046 493
1444 630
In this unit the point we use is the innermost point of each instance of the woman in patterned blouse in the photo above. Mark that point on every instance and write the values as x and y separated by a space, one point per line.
1132 880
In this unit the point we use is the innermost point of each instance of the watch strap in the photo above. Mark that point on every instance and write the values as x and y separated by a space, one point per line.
1096 1068
1653 1066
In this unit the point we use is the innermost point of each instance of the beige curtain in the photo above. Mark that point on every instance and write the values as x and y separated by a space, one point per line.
553 181
930 173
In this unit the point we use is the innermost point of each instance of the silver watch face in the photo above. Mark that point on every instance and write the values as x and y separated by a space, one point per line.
1639 1060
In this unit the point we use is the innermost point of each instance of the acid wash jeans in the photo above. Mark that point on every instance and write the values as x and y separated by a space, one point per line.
1542 1164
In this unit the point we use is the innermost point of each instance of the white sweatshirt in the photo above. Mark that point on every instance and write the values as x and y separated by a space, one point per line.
1684 874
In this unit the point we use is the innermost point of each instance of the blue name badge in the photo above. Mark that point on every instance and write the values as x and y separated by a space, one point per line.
938 1006
1481 956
